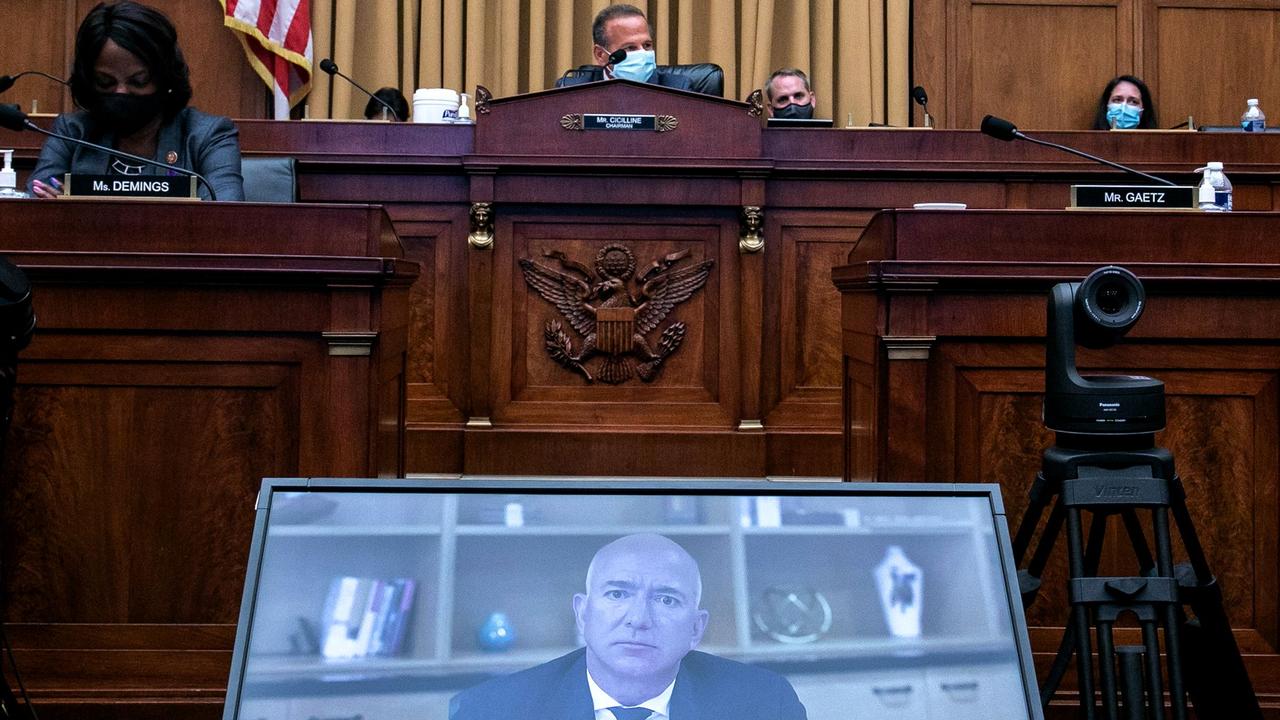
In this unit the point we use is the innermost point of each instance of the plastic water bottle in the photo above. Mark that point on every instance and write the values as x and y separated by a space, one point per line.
1221 187
9 179
1253 120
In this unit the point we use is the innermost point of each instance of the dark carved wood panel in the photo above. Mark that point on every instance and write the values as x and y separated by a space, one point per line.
438 337
1222 429
38 36
433 308
115 544
1246 66
41 36
801 378
692 385
1055 84
944 358
175 365
1043 64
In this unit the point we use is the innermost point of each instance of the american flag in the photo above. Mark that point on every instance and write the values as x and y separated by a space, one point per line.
276 35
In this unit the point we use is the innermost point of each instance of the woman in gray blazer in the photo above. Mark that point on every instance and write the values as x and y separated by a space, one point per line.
132 86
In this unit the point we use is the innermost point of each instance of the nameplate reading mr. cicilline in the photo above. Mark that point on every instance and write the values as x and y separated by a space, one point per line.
619 121
142 186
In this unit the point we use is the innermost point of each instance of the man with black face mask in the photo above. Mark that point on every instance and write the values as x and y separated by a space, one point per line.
133 85
789 95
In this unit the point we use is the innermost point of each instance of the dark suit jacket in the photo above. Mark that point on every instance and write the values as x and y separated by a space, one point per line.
659 77
207 144
707 688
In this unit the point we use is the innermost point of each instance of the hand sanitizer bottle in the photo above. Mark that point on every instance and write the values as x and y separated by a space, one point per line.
1215 178
9 179
464 109
1205 195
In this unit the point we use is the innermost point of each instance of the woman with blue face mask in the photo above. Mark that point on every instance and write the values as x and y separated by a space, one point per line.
1125 104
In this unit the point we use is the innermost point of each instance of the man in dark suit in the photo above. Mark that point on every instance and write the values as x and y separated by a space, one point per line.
623 27
641 618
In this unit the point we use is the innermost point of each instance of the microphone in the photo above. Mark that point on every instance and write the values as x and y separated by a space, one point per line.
617 56
1002 129
12 118
7 81
922 99
331 68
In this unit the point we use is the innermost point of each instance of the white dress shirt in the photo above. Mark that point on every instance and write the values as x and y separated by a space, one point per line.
660 704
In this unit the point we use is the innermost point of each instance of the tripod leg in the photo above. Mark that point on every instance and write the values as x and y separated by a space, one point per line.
1107 669
1061 661
1131 682
1080 617
1172 634
1187 530
1029 579
1093 551
1051 530
1037 500
1217 678
1139 541
1155 688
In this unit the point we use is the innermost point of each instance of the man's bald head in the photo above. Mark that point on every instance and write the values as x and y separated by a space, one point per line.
652 545
639 615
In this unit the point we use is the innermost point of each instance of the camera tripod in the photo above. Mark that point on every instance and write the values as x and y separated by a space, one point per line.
1109 475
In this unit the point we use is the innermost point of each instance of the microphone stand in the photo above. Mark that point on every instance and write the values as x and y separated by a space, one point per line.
331 68
7 81
1002 129
1018 134
14 119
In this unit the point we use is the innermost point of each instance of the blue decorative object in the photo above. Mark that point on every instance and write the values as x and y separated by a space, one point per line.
496 634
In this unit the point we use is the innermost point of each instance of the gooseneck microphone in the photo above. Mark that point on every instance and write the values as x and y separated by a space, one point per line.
331 68
617 56
7 81
1002 129
12 118
922 99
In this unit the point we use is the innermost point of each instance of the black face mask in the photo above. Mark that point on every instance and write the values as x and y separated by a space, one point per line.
794 112
126 114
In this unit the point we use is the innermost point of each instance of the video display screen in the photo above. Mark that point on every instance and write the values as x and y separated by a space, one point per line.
496 598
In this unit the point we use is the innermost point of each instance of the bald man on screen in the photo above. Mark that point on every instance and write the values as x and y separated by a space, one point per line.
641 618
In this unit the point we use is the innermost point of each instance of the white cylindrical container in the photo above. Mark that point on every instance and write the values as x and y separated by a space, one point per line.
435 105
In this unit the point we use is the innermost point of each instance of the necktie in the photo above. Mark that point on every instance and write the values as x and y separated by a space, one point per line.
634 713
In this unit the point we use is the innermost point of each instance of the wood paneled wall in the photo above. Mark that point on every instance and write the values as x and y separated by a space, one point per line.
1040 63
1043 63
41 36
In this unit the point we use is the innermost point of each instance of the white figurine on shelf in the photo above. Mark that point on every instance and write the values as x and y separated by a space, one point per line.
900 583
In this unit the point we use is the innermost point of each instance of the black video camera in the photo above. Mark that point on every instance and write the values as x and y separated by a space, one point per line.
1095 313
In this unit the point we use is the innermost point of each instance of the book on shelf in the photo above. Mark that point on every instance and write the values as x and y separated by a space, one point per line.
365 617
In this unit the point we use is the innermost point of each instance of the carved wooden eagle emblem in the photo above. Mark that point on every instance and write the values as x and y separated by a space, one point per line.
613 309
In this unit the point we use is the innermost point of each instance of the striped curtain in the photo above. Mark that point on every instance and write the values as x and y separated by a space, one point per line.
856 52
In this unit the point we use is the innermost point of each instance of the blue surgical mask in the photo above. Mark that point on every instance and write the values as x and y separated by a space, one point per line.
638 65
1123 116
